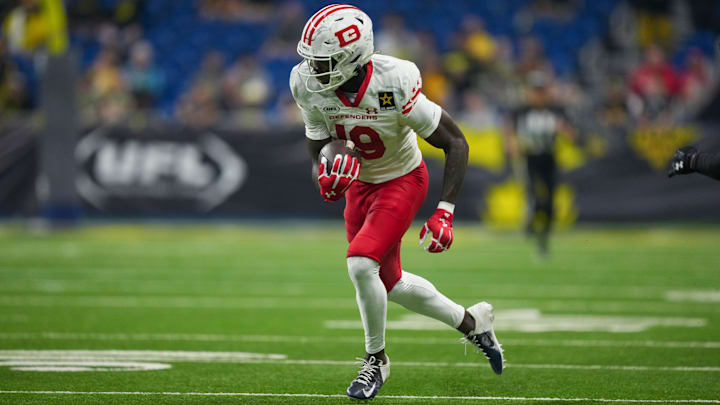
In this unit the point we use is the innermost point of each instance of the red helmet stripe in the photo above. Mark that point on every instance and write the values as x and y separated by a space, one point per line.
310 21
327 13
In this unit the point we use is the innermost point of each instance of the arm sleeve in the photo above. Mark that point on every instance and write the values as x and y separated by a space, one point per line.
708 164
417 111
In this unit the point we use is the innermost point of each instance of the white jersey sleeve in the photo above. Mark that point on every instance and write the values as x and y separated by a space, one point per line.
315 126
417 112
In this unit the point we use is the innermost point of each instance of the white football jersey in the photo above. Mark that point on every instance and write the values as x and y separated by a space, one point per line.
382 119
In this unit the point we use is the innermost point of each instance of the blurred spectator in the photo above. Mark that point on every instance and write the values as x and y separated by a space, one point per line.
108 37
696 78
286 111
127 11
198 108
655 82
499 82
235 10
435 84
211 74
532 57
615 111
106 96
24 27
458 66
654 23
114 108
145 81
247 90
428 45
479 45
35 25
286 31
615 107
246 84
93 12
558 11
477 112
394 39
104 76
14 97
126 39
202 105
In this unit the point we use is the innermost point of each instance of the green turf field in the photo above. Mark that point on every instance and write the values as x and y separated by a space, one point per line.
233 314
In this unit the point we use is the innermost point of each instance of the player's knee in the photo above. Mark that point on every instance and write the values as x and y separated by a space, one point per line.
360 267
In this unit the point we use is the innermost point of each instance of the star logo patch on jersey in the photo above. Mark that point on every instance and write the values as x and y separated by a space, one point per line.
386 100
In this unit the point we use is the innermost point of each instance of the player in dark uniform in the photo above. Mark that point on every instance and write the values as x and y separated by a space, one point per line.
688 160
533 128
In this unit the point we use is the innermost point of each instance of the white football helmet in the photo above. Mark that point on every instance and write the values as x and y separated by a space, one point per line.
335 43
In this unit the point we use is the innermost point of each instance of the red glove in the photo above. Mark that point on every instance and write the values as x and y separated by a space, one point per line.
344 171
440 225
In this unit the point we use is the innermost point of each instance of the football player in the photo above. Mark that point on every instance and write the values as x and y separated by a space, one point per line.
346 91
688 160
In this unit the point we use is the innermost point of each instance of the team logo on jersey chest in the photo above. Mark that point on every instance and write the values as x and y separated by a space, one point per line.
386 100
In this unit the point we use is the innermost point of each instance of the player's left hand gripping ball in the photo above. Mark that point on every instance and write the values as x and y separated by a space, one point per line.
440 227
333 184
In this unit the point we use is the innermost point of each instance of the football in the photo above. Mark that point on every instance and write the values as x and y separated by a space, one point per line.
338 147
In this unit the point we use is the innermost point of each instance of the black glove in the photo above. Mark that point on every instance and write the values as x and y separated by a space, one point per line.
683 162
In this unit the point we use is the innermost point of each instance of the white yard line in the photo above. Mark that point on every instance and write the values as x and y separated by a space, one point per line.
410 397
109 280
260 358
190 302
285 303
709 296
189 337
510 365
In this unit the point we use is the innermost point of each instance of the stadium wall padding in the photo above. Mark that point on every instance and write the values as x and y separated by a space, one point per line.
180 172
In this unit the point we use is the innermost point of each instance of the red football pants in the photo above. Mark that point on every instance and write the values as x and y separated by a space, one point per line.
378 215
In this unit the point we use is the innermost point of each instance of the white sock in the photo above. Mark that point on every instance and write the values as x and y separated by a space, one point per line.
419 295
371 299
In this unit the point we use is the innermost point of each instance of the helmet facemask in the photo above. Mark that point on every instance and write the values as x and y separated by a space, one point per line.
323 73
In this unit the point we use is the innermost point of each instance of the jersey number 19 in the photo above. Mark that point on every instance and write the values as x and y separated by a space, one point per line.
370 145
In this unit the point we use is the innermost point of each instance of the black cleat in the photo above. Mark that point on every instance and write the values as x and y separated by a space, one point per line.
372 375
483 337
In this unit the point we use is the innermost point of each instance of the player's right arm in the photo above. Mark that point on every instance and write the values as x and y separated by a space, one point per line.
314 148
317 134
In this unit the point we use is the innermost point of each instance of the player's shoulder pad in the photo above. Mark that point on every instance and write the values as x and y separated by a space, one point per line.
402 76
405 77
296 86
